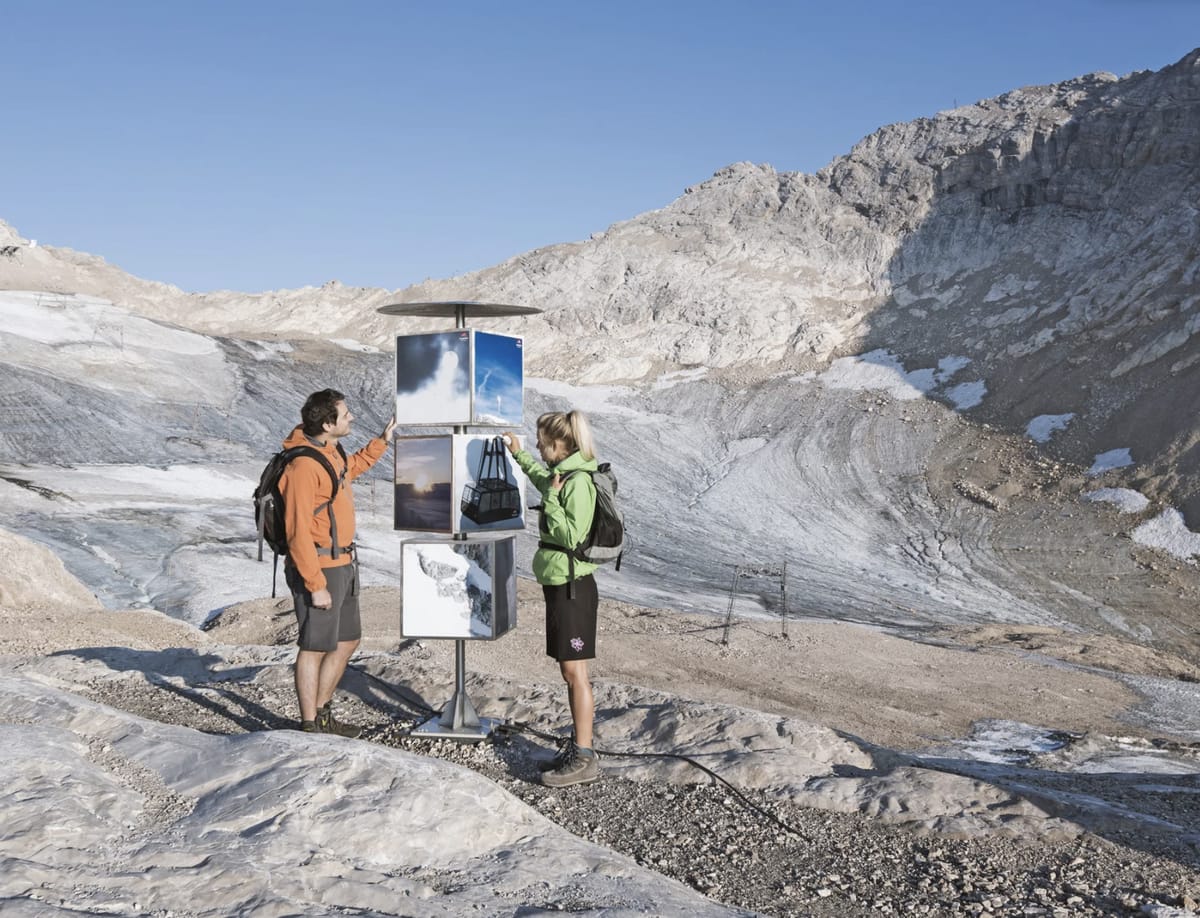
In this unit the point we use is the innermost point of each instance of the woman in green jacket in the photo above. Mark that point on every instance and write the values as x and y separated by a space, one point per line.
568 503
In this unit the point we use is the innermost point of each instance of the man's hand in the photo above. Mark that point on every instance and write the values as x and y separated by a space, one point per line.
386 436
321 599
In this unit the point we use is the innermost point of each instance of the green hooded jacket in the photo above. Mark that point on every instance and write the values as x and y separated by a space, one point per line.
566 514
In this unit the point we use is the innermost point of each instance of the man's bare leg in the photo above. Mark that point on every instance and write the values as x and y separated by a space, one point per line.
309 664
332 667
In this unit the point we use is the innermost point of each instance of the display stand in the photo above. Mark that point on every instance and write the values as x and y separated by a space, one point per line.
458 719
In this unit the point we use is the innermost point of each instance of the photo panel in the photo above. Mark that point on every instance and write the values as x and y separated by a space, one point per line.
458 589
433 379
488 485
498 372
424 498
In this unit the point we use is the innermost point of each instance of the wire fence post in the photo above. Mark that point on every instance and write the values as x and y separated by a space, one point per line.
783 610
777 573
737 574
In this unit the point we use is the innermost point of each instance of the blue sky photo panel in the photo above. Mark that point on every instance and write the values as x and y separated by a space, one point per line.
499 380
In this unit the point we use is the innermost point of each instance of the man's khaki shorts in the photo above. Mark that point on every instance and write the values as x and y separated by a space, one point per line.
324 629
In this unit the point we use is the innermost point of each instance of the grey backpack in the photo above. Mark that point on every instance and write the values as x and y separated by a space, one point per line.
605 541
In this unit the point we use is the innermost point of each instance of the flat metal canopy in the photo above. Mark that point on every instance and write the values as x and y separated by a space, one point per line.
451 309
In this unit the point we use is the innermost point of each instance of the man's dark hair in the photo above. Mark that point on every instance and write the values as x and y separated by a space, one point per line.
320 409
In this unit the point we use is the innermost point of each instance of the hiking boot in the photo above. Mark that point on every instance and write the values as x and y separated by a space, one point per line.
309 726
327 723
566 749
578 768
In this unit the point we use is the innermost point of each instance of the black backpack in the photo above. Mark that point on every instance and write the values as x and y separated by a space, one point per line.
268 502
605 541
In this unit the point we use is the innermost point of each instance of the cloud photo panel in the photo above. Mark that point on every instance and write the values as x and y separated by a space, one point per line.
433 378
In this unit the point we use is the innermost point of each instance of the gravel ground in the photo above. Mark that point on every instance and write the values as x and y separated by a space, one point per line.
744 848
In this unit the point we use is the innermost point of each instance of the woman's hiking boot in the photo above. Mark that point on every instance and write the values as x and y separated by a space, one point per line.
580 767
327 723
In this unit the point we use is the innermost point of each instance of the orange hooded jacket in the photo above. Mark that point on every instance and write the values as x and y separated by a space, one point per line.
305 485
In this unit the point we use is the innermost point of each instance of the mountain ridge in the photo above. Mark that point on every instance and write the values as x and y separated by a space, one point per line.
1046 235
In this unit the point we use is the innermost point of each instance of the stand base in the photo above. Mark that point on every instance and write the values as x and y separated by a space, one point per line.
435 729
458 721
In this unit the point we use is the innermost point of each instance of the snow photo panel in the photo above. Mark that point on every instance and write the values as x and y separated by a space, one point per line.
424 495
433 379
458 589
498 371
488 485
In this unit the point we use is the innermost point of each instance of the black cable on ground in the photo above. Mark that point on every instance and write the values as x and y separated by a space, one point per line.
519 727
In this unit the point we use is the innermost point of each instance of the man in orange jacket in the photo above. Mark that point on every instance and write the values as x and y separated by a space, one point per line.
323 573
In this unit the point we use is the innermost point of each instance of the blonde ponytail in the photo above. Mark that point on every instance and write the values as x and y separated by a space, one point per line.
572 428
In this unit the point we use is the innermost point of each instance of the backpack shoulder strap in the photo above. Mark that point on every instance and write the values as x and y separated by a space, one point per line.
313 453
567 476
341 451
335 481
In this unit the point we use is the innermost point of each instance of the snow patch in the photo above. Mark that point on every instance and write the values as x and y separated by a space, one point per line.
667 380
1043 427
948 366
91 342
352 345
1008 742
967 395
1113 459
598 399
1124 499
882 370
263 350
878 369
1169 533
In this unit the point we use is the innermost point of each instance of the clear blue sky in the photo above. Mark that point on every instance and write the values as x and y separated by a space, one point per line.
258 145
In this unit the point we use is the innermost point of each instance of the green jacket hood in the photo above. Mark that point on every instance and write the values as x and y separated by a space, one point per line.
576 463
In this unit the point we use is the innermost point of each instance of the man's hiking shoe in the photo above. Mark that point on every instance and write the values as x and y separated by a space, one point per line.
566 749
327 723
309 726
577 768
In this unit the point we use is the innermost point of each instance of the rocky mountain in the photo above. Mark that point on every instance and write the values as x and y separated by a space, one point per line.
850 393
1048 235
838 370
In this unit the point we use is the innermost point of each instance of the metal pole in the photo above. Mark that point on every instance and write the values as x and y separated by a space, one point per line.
463 713
459 719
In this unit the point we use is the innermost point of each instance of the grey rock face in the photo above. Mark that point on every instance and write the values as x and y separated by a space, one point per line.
1050 235
1047 239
